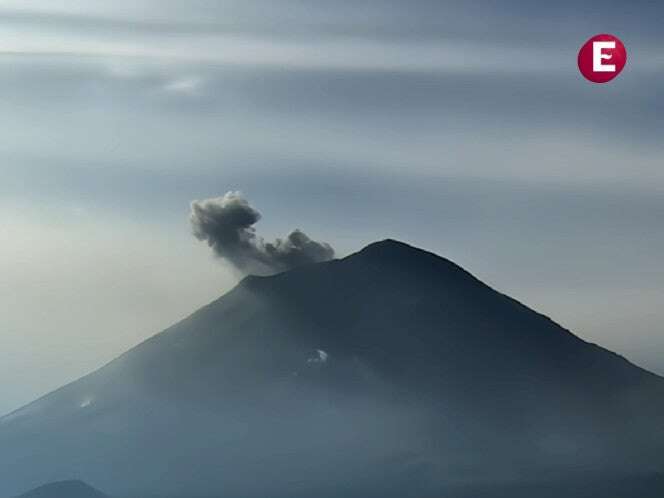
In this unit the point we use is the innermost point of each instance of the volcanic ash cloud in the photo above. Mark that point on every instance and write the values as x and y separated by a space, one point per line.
227 225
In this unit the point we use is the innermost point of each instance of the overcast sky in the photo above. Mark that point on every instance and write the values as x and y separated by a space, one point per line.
461 127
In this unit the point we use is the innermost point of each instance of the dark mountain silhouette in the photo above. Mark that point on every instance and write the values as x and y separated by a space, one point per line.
64 489
392 372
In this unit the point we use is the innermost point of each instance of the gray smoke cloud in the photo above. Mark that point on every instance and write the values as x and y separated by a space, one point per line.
226 224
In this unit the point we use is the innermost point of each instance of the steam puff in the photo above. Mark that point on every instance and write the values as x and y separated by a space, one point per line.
226 224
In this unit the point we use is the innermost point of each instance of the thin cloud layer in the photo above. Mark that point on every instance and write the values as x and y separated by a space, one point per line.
226 224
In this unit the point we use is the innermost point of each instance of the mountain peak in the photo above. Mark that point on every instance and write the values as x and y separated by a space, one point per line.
401 257
389 245
395 249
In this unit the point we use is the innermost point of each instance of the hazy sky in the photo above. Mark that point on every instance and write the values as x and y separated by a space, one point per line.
463 129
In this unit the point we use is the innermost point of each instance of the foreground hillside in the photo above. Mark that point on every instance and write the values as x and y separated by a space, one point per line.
64 489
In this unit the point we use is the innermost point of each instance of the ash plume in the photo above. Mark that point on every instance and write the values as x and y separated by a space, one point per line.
227 225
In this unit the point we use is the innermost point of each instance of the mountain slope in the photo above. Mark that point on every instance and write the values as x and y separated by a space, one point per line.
392 371
64 489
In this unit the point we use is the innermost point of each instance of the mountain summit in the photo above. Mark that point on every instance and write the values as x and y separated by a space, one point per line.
390 372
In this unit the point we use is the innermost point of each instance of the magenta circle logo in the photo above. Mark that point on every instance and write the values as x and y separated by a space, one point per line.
602 58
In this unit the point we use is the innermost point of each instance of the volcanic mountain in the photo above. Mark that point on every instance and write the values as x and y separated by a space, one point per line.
391 372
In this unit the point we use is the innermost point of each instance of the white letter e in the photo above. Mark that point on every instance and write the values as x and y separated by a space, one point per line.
598 57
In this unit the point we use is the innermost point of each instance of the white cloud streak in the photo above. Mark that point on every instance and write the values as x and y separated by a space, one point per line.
456 56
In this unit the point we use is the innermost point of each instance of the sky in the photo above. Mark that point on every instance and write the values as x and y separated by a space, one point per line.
464 128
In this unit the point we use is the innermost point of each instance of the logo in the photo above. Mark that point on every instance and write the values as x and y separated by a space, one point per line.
602 58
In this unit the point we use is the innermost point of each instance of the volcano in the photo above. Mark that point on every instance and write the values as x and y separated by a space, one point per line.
391 372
